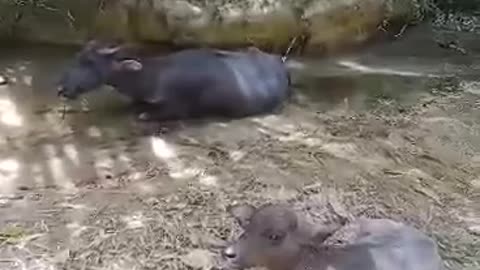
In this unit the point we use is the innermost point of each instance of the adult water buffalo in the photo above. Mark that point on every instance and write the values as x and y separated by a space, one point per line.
191 83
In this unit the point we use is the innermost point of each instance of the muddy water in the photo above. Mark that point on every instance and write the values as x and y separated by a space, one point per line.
400 70
40 147
97 142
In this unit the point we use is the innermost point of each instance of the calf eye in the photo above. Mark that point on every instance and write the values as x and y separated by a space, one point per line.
275 237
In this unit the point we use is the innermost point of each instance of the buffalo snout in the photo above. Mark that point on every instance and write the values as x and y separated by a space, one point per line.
60 91
67 93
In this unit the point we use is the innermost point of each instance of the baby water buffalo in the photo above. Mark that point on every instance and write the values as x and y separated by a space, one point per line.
271 239
191 83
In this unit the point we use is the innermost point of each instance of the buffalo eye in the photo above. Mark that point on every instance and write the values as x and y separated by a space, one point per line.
86 60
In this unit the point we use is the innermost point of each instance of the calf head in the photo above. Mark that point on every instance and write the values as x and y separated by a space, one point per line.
94 66
269 238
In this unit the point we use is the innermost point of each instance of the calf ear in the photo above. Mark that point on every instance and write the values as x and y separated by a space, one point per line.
242 213
323 232
131 65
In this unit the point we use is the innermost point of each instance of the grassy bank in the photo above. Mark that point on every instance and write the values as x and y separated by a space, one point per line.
327 24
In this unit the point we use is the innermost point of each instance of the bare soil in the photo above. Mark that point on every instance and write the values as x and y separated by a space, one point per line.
418 164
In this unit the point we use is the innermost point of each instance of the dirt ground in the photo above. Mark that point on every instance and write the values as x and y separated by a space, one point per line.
98 191
418 164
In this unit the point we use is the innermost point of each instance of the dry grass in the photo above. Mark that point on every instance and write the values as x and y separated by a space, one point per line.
391 172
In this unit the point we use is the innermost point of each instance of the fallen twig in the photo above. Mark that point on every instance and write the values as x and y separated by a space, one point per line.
284 57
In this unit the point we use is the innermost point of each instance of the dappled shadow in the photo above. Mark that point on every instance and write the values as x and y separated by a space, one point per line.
96 145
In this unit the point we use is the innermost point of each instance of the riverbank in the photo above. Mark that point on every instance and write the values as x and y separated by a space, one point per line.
325 26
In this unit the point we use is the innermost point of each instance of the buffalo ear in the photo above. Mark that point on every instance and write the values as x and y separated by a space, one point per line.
91 44
130 65
108 50
253 49
242 213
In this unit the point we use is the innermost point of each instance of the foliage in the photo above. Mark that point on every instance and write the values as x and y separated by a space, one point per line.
464 6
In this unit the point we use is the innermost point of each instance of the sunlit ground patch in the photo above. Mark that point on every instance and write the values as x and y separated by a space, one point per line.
9 171
471 87
389 71
8 113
